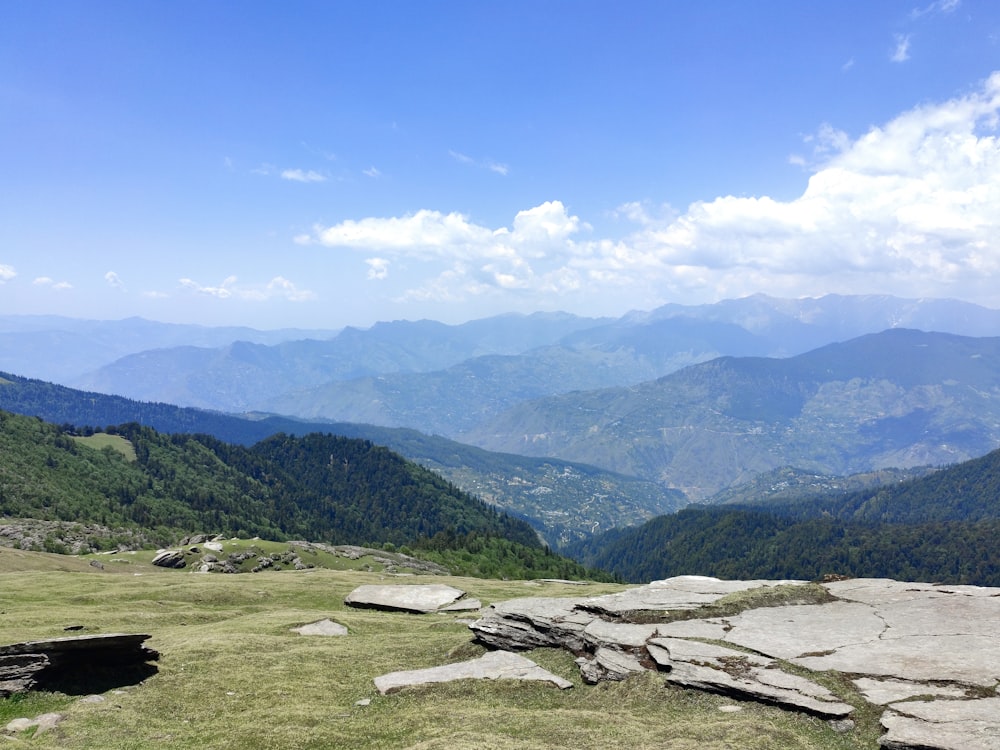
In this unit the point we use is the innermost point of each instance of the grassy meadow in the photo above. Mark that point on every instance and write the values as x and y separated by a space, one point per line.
232 674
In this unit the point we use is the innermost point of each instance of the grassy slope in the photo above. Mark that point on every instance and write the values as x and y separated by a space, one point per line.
232 675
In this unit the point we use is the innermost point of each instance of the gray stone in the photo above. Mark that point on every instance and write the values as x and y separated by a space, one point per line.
495 665
884 691
169 558
534 622
943 725
971 660
729 672
419 598
678 593
41 724
788 632
609 664
321 627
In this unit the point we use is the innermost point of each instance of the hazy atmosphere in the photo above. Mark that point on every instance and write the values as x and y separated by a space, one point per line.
320 164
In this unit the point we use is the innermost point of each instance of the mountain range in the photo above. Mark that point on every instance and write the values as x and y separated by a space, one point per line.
900 398
588 423
449 379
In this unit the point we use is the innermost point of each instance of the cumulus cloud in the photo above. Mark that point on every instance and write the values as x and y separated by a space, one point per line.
913 205
910 207
114 280
278 287
6 273
301 175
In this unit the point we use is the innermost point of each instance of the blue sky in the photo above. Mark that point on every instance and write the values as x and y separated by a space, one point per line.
318 164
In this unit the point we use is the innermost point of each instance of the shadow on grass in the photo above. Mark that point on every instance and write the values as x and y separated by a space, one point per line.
82 678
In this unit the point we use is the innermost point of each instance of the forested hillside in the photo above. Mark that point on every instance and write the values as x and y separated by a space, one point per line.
318 488
941 527
566 500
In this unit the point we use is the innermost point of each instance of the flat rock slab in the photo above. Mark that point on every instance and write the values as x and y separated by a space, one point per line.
886 691
495 665
420 598
677 593
943 725
321 627
724 670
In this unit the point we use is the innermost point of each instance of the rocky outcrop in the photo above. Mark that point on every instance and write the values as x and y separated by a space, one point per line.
495 665
930 654
35 664
418 599
169 558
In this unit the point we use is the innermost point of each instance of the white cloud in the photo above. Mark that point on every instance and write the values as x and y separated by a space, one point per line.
937 7
913 206
6 273
223 291
52 284
277 288
299 175
378 268
114 280
910 207
901 52
371 172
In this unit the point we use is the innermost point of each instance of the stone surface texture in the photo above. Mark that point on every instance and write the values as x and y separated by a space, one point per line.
930 654
416 598
495 665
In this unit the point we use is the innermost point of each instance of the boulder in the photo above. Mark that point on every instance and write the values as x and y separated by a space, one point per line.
169 558
419 598
495 665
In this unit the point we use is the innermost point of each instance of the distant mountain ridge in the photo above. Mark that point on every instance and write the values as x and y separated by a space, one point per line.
900 398
451 379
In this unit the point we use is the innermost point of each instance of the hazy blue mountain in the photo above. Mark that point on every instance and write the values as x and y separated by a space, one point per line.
449 379
60 349
457 399
900 398
243 376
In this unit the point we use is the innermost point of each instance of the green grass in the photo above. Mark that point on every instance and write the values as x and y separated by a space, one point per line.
100 440
232 675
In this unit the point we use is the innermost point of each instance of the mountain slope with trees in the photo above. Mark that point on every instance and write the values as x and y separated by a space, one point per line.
318 488
939 527
565 500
